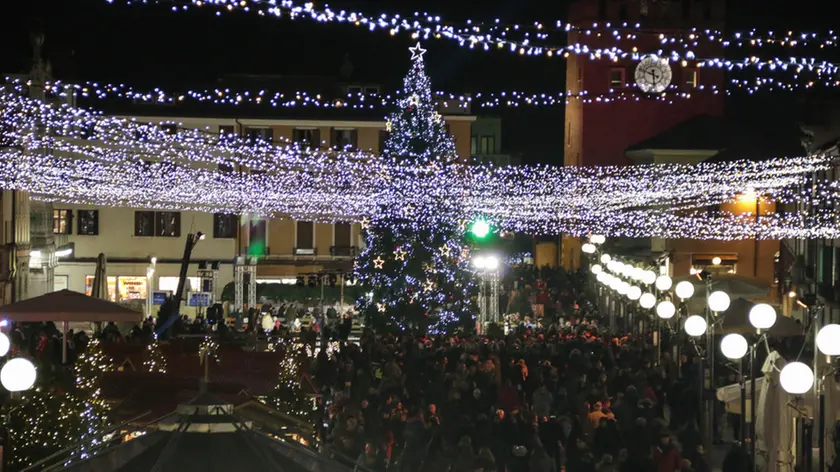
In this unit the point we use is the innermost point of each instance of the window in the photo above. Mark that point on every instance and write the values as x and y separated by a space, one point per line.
144 223
170 284
260 134
224 226
305 235
226 131
371 90
169 128
168 224
342 244
474 145
354 90
307 137
88 222
488 145
345 137
691 77
62 221
569 134
226 167
617 78
342 234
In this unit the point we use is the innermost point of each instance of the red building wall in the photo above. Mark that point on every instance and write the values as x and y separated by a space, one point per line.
598 133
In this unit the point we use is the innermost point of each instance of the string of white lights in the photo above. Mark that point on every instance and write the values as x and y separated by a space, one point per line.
534 40
63 153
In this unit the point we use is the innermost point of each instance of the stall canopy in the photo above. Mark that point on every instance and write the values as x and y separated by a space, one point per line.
68 306
736 319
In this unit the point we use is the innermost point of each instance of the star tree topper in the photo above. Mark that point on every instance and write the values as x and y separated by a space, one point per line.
417 52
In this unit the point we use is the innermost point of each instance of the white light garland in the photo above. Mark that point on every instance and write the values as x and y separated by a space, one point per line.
68 154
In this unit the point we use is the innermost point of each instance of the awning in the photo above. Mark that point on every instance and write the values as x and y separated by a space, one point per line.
66 305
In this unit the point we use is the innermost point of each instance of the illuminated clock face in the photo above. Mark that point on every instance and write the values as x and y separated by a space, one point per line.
653 74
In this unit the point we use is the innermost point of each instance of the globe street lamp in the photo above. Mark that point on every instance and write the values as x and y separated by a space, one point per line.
5 345
663 283
695 326
762 316
588 248
827 342
596 269
647 300
796 378
18 375
684 290
634 293
666 309
605 258
649 277
718 301
597 239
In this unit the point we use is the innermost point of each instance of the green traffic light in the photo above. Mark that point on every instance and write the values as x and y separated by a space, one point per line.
480 229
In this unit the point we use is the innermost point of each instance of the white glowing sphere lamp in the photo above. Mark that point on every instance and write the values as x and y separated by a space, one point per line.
605 258
598 239
695 326
649 277
634 293
18 375
796 378
623 288
828 340
588 248
718 301
663 283
762 316
665 310
684 290
5 345
647 300
596 269
734 346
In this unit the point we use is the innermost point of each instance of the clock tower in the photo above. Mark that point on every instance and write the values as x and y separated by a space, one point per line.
597 133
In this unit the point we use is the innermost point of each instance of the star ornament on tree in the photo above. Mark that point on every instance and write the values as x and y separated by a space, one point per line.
429 285
417 52
381 307
378 263
445 250
399 254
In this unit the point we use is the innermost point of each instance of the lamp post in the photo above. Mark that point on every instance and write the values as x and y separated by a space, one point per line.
762 317
17 375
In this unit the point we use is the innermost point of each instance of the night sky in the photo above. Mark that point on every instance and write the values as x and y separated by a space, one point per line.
148 45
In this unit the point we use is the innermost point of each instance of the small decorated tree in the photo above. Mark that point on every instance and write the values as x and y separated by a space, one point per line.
289 397
155 358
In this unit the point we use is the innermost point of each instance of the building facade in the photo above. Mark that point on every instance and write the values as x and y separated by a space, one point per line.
486 143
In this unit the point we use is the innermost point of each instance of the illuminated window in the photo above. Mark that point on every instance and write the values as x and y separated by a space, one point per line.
715 263
131 288
170 284
112 287
224 225
62 221
617 78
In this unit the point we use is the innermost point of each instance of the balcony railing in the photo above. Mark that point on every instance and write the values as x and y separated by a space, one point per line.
344 251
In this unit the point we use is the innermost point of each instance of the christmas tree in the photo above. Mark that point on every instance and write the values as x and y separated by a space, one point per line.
415 266
155 359
289 396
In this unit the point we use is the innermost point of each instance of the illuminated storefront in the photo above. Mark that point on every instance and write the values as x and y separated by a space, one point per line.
122 288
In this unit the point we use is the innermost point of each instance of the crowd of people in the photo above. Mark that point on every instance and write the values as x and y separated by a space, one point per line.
564 397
